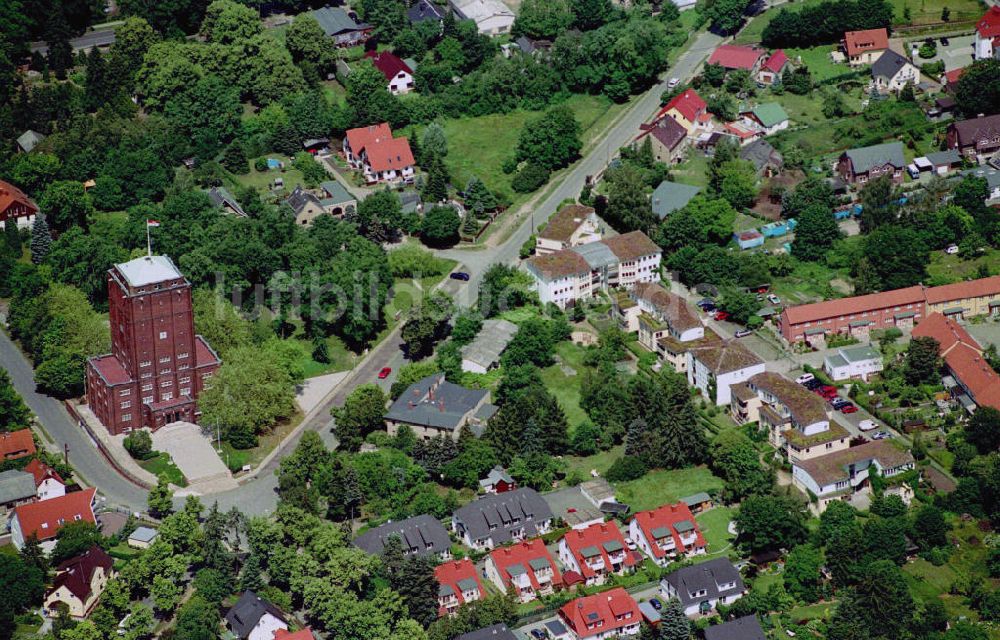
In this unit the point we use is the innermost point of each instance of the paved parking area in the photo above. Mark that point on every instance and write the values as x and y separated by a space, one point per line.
986 333
193 454
956 55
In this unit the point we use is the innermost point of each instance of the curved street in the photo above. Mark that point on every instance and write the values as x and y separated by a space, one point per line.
258 495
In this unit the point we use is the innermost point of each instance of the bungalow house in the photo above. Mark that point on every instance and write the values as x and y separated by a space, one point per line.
305 205
671 196
224 200
772 70
497 481
610 614
379 156
976 139
668 139
571 226
734 57
337 201
16 206
858 166
768 116
28 141
397 73
253 618
970 380
891 72
840 475
687 108
666 533
483 353
701 587
766 160
715 368
525 569
79 583
864 47
16 444
458 583
424 10
492 17
16 488
745 628
796 419
986 41
496 519
596 552
44 519
48 483
422 535
850 363
434 407
342 26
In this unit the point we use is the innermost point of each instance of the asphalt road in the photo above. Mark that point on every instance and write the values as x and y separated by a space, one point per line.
99 38
259 496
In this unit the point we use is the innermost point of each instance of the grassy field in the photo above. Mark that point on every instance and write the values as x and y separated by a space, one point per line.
600 461
162 465
945 269
714 525
261 180
664 486
694 169
819 62
566 388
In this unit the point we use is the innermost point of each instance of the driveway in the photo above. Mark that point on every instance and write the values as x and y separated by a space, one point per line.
956 55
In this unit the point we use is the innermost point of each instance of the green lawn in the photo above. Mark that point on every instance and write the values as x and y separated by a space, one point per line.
946 269
566 388
601 461
341 358
694 170
819 62
665 486
262 180
808 282
162 465
714 525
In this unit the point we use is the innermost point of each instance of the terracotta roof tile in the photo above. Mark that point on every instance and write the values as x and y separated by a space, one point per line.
16 444
606 607
856 304
688 103
596 536
967 289
361 137
388 63
963 356
388 155
45 518
451 573
42 472
667 517
776 61
989 25
732 56
858 42
11 195
522 554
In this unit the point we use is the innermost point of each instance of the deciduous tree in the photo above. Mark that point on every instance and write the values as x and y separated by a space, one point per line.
361 414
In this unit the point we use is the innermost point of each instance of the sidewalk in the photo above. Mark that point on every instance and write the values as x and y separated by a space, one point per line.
112 446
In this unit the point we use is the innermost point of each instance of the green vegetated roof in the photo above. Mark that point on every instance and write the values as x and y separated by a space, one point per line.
799 439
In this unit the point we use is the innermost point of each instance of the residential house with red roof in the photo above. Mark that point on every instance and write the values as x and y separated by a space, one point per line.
380 157
79 583
44 519
950 79
865 47
458 583
667 137
16 206
397 73
525 569
734 57
965 299
610 614
773 68
687 108
301 634
16 444
596 552
666 533
986 42
48 483
973 382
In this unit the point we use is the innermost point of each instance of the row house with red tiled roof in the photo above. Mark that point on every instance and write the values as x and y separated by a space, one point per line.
597 552
458 583
44 519
667 533
610 614
525 570
579 272
380 157
973 382
986 41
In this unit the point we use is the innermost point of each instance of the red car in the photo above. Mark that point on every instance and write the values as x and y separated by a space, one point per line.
826 388
721 315
849 409
384 373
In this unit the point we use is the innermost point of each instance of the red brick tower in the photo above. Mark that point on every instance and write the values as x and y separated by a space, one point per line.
157 365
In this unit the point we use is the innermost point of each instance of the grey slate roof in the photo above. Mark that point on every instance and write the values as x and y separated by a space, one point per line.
991 175
867 158
761 153
334 20
16 485
29 140
299 198
556 628
745 628
220 197
495 475
671 196
424 10
434 402
144 534
696 498
492 339
247 612
888 65
421 535
705 576
495 632
500 510
949 156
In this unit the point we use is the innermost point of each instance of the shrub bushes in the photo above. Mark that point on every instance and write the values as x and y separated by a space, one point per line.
626 468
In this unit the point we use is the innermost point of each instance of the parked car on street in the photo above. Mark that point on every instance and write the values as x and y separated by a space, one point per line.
773 299
673 83
384 373
867 425
459 275
849 408
805 378
538 634
721 315
742 333
880 435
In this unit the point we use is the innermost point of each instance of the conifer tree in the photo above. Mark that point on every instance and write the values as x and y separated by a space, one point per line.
41 239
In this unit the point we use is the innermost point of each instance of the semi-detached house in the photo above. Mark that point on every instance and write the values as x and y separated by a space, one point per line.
610 614
525 570
596 552
579 272
667 533
458 584
838 476
976 138
858 166
701 587
380 157
970 380
422 535
497 519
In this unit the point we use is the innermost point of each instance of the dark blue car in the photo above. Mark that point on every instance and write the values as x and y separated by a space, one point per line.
459 275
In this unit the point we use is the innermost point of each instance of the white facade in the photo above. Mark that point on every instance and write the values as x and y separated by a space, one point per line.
266 627
668 591
907 74
700 376
50 488
668 545
561 291
852 363
982 48
492 17
401 83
